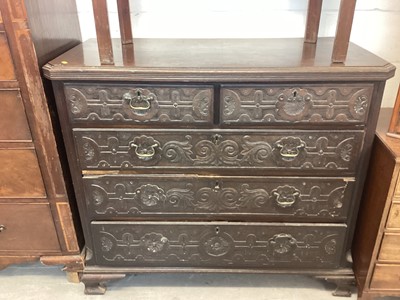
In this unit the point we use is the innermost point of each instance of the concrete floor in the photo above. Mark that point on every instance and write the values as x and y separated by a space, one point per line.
34 281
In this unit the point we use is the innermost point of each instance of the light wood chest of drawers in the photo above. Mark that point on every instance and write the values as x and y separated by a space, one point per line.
36 219
218 155
376 247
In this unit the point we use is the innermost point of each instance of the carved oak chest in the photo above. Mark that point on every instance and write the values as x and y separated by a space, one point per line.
218 155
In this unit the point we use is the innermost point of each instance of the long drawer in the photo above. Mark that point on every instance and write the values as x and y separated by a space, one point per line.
28 228
304 104
139 104
325 151
206 197
217 244
386 277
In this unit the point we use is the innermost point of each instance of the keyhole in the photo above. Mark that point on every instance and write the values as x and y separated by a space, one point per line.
216 138
295 94
138 93
217 187
216 230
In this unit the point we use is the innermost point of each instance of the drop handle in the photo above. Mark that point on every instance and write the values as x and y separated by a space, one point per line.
2 228
138 101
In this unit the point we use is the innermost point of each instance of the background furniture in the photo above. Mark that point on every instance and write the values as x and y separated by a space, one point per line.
376 245
35 210
394 126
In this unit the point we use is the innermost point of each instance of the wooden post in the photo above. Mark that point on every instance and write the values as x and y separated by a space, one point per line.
313 19
124 17
343 30
103 32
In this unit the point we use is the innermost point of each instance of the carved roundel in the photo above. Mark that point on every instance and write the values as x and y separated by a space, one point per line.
77 101
231 104
154 242
283 244
217 245
359 103
150 195
90 150
294 104
201 104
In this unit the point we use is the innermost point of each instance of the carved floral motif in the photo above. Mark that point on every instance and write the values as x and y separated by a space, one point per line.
150 194
330 246
154 242
283 243
217 245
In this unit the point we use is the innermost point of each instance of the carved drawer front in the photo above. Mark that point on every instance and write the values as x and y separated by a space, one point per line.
394 217
137 104
27 228
217 244
390 248
314 104
386 277
324 199
326 151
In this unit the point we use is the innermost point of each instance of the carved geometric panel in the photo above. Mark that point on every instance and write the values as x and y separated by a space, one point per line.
323 199
132 103
326 151
218 244
296 104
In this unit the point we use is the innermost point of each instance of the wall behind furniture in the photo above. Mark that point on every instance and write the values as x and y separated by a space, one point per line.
376 23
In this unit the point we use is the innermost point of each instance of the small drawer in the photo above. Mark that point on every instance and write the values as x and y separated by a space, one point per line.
20 175
139 104
325 151
217 244
27 228
390 248
13 122
236 198
394 217
386 277
304 104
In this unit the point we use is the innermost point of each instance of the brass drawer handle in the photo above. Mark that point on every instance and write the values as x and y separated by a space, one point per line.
145 147
2 228
290 147
139 101
286 196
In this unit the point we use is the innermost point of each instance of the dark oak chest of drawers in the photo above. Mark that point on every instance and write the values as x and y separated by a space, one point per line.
218 155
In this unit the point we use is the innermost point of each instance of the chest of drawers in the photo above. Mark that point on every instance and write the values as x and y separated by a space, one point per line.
36 205
218 155
377 240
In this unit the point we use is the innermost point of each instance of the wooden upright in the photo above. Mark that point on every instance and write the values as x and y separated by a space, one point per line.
341 44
